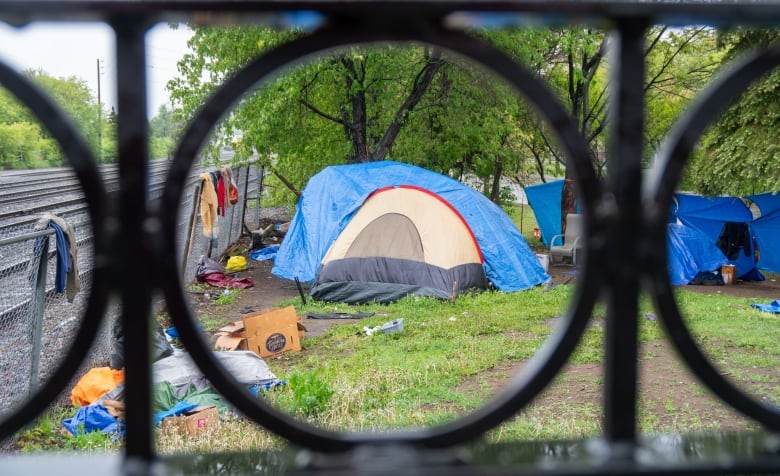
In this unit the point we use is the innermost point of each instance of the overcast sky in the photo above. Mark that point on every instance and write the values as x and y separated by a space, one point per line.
69 50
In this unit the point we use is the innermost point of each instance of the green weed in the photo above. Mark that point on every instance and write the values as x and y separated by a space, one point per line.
310 394
48 434
227 297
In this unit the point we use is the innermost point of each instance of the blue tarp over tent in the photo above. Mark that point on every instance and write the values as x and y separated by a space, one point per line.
703 221
690 252
709 215
545 201
766 229
334 195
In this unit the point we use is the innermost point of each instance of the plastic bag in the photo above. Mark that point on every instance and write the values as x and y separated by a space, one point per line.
235 263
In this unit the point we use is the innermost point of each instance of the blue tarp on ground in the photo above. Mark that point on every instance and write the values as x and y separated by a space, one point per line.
332 197
773 307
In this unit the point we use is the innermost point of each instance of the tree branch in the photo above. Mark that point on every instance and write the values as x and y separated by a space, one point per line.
284 180
421 84
320 113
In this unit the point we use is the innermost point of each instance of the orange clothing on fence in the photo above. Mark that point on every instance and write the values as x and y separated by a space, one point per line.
208 206
94 384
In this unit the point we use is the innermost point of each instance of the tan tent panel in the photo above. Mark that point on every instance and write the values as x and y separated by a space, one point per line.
407 223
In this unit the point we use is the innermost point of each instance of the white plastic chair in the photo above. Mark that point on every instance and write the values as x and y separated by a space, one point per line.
566 245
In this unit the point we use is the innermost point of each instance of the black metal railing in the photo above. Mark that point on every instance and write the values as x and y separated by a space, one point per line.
624 219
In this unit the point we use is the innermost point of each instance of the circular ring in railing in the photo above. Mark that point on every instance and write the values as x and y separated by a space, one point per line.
84 166
535 376
660 193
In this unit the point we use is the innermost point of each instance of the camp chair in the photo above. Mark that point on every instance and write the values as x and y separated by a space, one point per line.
566 245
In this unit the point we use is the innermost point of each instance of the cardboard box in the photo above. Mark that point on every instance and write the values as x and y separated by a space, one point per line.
231 337
266 333
192 422
301 329
272 332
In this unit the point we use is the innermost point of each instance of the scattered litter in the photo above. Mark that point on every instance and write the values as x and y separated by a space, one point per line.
339 315
773 307
550 286
265 254
266 333
172 333
193 421
650 316
393 327
94 384
211 272
264 387
176 410
453 319
247 310
235 263
94 418
221 280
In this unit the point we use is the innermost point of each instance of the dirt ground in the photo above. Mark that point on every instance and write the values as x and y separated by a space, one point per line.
670 396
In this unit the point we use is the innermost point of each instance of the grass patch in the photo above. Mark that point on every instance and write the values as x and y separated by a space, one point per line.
48 434
453 356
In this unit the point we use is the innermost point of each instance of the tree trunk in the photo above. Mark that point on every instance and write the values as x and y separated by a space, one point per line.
355 118
498 172
568 200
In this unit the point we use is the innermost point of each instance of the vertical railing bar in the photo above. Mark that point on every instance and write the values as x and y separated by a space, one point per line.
622 210
38 305
130 265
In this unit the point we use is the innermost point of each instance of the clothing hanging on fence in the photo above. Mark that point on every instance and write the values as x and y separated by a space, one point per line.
232 191
208 206
67 275
221 202
227 192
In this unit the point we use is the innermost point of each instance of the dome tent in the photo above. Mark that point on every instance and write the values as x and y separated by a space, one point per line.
428 235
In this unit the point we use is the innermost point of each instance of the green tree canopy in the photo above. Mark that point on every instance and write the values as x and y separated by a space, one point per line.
417 104
410 102
24 143
739 153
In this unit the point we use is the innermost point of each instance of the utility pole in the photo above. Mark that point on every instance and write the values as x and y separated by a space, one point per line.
99 117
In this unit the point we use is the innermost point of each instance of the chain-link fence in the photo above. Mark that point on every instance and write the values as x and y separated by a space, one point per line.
236 221
39 314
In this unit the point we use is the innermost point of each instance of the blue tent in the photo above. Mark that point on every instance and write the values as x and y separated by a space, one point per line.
333 197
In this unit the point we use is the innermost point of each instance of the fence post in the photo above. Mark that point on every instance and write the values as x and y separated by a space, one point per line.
38 304
246 198
230 216
187 248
